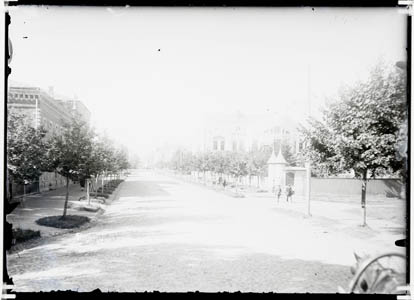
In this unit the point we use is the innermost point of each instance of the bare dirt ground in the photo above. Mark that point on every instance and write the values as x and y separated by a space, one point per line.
167 235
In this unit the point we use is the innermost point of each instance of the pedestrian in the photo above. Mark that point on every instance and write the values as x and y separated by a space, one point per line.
289 193
82 182
224 183
278 193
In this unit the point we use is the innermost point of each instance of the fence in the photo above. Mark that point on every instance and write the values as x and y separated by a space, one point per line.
389 187
18 189
349 186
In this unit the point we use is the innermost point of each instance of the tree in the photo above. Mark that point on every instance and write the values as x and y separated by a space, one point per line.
135 161
71 153
203 163
221 162
238 165
26 150
257 163
121 159
287 153
360 130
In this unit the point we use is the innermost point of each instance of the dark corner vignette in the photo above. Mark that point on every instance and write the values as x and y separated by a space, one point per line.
209 3
8 208
407 243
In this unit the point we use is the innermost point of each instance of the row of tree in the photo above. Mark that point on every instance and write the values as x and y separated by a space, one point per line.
77 153
235 164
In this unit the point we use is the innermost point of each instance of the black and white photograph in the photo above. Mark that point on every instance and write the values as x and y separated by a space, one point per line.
210 149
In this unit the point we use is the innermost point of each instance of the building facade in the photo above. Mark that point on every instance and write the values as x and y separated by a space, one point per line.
248 132
42 110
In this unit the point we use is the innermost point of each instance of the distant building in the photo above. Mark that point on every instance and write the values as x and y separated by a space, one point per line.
76 107
248 132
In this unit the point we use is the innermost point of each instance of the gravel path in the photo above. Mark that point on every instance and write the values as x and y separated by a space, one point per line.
166 235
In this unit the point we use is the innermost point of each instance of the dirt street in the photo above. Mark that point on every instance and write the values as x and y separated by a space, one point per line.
167 235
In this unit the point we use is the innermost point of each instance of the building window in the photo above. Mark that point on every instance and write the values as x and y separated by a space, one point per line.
26 96
222 145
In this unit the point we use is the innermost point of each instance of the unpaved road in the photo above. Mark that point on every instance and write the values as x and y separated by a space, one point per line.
167 235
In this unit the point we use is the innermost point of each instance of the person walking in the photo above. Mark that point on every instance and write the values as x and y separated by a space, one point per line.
289 193
278 193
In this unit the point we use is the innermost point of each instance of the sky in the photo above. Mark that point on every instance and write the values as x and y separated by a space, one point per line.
149 75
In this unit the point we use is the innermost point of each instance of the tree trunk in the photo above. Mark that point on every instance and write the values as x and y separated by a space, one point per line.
24 195
363 197
102 182
87 192
96 186
66 198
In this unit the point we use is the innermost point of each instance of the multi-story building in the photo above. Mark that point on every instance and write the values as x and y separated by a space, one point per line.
77 108
43 110
248 132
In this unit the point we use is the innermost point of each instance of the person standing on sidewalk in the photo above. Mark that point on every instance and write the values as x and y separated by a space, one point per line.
278 193
289 193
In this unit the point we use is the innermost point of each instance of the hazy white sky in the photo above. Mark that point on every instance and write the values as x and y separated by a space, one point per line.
149 74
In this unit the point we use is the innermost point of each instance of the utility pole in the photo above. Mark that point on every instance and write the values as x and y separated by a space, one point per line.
36 113
308 164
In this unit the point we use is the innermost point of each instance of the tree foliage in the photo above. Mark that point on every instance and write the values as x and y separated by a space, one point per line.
71 151
360 130
26 149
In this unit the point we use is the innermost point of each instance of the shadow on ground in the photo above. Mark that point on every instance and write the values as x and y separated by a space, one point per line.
181 267
145 188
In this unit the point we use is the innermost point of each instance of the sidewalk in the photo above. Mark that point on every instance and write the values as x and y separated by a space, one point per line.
51 203
386 217
382 213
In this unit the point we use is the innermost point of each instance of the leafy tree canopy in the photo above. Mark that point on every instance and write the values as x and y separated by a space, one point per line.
360 130
26 148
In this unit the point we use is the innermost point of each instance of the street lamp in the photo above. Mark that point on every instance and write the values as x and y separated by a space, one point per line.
308 184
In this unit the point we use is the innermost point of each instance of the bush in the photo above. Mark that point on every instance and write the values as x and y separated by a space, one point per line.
69 221
22 235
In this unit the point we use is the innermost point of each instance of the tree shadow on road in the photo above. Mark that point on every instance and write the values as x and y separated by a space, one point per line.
144 188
